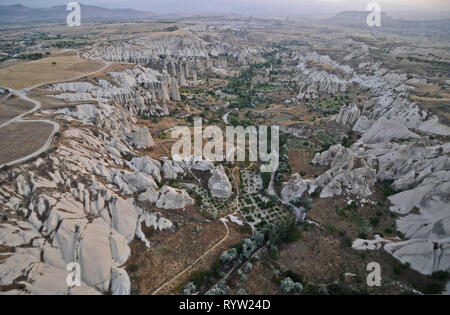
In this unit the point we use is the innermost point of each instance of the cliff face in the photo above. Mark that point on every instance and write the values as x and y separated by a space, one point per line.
203 43
141 90
183 54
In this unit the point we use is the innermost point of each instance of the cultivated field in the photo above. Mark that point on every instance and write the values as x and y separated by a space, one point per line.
11 107
20 139
46 70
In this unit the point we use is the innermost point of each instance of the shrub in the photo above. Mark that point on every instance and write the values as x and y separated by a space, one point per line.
335 289
189 289
374 221
200 277
347 242
433 288
289 286
132 268
274 252
294 276
363 235
441 275
219 289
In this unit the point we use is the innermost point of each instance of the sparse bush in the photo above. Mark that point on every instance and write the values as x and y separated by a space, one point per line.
132 268
189 289
433 288
274 252
288 286
374 221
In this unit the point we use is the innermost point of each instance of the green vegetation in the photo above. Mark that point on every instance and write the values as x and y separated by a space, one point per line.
266 177
242 87
386 188
328 105
35 56
69 44
374 221
132 268
265 86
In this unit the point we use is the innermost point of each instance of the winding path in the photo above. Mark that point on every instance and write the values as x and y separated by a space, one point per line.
37 105
196 261
224 221
19 119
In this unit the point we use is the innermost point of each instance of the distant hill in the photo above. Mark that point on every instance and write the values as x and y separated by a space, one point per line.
357 19
19 14
437 29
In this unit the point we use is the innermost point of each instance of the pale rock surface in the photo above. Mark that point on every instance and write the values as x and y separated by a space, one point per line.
422 255
295 188
171 169
141 138
120 282
362 124
124 217
376 244
149 166
150 195
154 220
171 198
95 255
17 265
348 115
384 130
219 184
120 250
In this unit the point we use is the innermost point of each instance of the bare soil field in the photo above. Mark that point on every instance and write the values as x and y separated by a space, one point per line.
20 139
46 70
322 261
13 106
171 253
300 162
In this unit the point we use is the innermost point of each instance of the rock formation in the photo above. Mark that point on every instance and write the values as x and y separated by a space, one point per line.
390 148
219 184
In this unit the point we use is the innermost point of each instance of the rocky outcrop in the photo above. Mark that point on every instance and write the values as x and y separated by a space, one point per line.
172 169
152 220
141 138
142 91
348 115
347 173
295 188
385 130
423 255
312 81
391 148
188 49
320 75
79 203
149 166
171 198
219 185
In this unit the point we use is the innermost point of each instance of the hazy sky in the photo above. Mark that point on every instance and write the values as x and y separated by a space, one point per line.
266 7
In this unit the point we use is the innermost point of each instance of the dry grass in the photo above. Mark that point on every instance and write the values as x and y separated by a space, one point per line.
172 253
44 71
11 107
300 162
20 139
